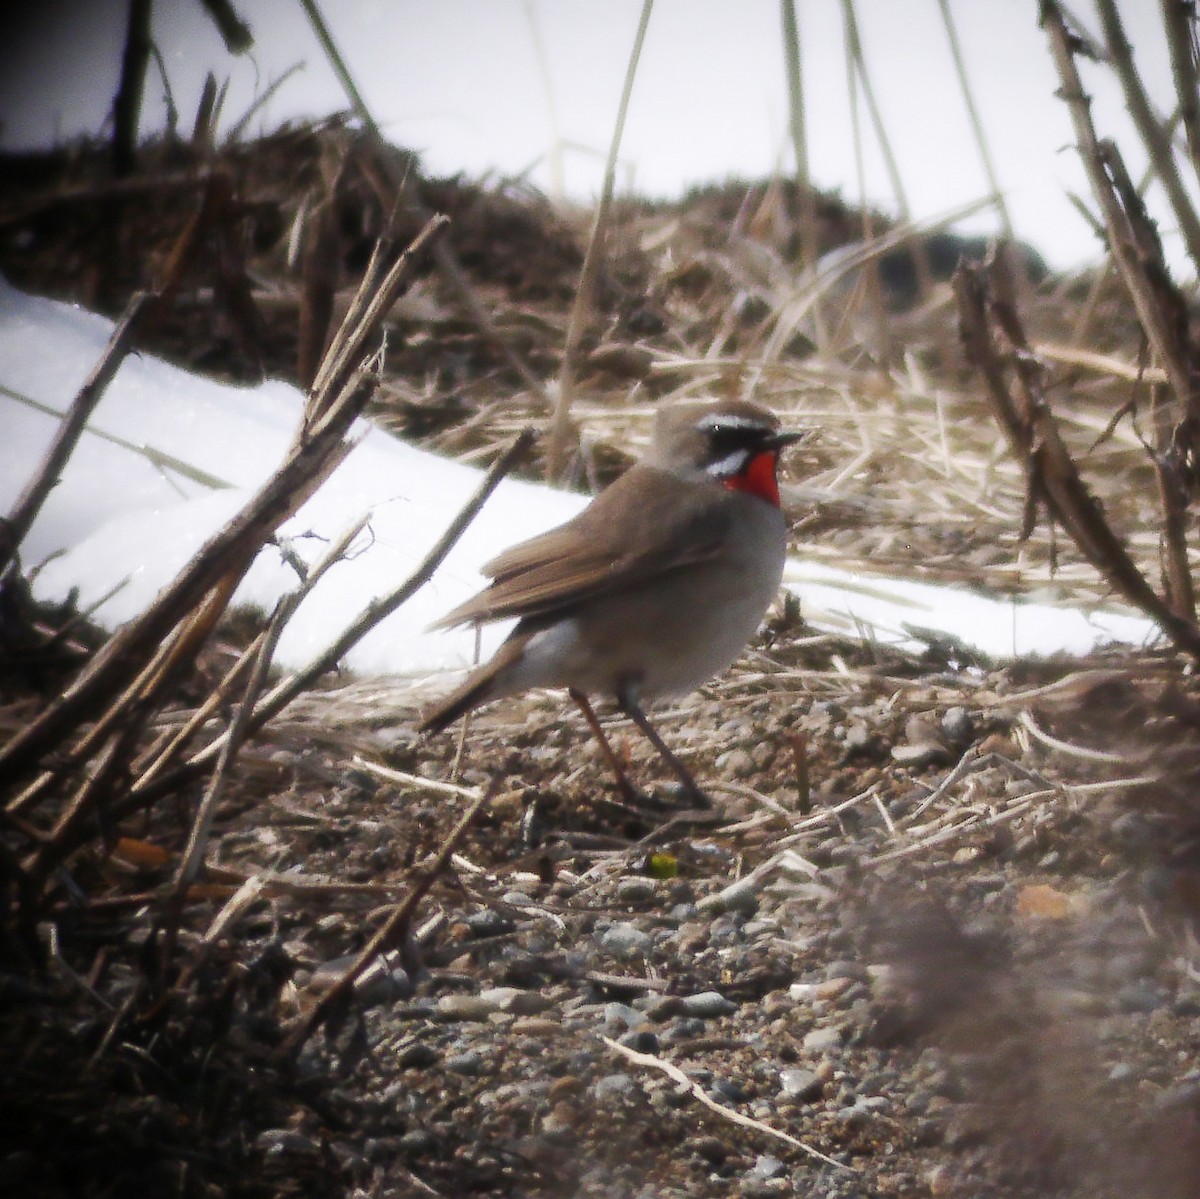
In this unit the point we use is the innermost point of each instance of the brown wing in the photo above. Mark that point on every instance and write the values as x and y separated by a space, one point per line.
634 530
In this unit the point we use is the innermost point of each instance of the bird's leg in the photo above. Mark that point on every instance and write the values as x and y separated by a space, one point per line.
629 706
628 791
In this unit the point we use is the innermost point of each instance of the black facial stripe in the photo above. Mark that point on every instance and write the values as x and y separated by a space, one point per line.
724 439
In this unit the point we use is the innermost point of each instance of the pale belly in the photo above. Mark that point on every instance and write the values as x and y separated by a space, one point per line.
666 637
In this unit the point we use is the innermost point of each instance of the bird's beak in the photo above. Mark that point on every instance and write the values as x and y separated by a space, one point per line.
785 437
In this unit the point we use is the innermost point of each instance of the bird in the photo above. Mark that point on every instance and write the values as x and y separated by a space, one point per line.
653 588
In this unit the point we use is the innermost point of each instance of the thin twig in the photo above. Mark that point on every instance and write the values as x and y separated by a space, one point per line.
560 426
390 936
794 68
319 449
447 263
1179 23
698 1093
124 336
287 690
1150 126
981 141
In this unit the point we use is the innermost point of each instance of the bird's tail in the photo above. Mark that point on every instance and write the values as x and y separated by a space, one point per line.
473 692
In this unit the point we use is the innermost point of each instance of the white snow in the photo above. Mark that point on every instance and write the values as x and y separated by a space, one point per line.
885 608
119 520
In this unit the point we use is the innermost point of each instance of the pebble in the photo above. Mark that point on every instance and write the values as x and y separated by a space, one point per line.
707 1005
736 763
801 1084
467 1062
804 992
612 1086
863 1110
625 940
560 1119
514 999
417 1056
712 1149
819 1040
640 1040
844 968
741 896
767 1166
727 1090
487 922
685 1028
417 1141
275 1142
831 988
537 1026
777 1003
463 1007
957 725
622 1014
636 890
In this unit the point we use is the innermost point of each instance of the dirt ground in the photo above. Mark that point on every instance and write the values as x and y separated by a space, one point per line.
935 937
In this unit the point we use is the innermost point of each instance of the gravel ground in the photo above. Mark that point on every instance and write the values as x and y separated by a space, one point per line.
915 949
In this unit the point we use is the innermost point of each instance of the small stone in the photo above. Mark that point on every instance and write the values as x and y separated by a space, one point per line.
612 1086
862 1111
711 1149
662 1007
857 738
767 1166
737 763
727 1090
741 896
707 1005
275 1142
488 923
636 890
621 1014
537 1026
417 1141
560 1119
686 1028
463 1007
640 1040
514 999
469 1062
820 1040
625 940
957 726
801 1084
844 968
417 1056
831 988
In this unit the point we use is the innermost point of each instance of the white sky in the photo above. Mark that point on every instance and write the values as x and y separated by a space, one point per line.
461 81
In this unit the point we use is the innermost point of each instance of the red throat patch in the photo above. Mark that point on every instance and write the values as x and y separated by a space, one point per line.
758 478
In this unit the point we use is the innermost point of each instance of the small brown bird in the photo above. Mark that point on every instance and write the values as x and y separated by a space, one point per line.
653 588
